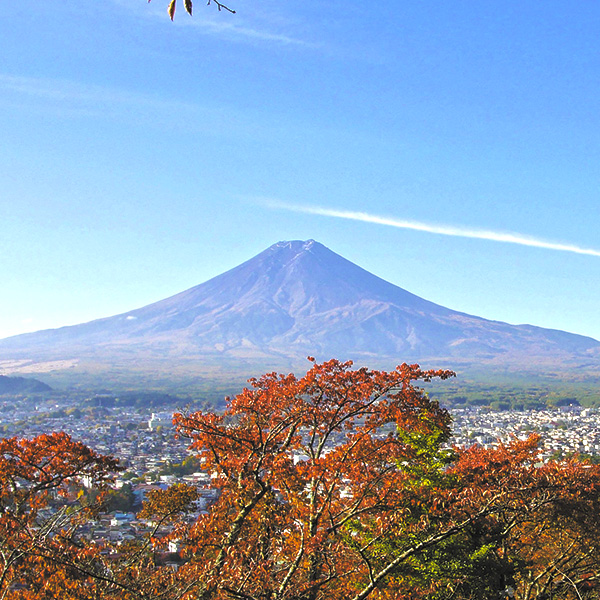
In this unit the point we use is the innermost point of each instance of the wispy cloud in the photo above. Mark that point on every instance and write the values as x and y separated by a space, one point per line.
237 31
71 99
449 230
65 91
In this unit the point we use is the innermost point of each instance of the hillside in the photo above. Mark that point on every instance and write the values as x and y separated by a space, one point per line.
21 385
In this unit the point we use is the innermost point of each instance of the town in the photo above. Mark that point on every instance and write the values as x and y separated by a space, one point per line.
153 456
147 446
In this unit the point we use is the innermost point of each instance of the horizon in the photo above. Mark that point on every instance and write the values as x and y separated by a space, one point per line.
449 150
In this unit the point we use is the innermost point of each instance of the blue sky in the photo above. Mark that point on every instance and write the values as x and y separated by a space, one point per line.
452 148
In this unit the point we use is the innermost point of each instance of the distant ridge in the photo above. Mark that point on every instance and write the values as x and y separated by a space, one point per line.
21 385
293 299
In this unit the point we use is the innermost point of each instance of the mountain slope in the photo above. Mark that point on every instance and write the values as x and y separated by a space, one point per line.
21 385
293 299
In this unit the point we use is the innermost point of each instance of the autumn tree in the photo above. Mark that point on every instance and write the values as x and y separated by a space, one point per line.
341 484
499 523
40 512
314 476
539 525
52 488
338 484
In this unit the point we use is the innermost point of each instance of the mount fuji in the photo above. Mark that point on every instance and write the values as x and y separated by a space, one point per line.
294 299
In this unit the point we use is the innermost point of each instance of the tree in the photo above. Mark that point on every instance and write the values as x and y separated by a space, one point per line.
188 5
51 488
339 484
313 476
40 511
541 521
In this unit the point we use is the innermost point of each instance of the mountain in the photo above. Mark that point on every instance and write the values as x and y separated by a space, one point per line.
21 385
292 300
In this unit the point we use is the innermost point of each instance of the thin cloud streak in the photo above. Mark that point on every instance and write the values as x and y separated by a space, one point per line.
67 99
61 90
449 230
246 32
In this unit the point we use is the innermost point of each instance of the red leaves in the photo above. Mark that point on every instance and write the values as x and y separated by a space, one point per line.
35 534
335 485
166 504
48 461
300 460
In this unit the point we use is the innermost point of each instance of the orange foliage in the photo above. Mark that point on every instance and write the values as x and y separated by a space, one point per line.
301 464
335 485
544 518
39 556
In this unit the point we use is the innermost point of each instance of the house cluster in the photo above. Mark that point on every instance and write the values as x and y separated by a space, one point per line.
118 527
565 431
148 448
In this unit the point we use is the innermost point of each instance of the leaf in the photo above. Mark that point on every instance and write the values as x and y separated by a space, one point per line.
171 9
188 6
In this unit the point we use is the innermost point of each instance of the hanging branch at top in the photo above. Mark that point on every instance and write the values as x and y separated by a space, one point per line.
189 6
219 5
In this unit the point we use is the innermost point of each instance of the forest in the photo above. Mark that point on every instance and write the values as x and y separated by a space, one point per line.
340 484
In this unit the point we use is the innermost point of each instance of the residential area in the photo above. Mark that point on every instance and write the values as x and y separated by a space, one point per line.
154 456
